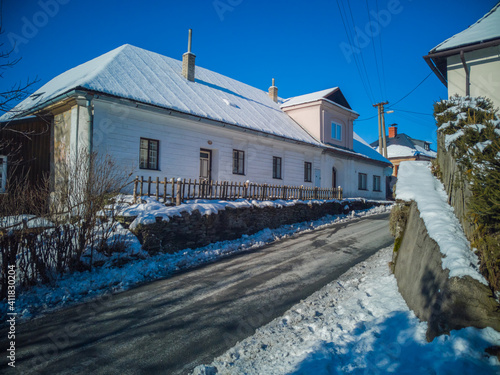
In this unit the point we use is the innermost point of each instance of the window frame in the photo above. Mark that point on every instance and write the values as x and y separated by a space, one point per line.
307 171
3 174
336 131
238 162
148 150
362 177
377 186
276 175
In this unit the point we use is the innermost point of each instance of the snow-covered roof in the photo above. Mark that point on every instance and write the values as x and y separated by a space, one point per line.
147 77
362 147
134 73
487 28
332 95
403 146
307 98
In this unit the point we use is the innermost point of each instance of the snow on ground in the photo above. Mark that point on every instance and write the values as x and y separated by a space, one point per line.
82 286
358 324
416 182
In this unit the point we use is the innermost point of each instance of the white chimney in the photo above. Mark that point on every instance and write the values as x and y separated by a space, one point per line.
188 58
273 92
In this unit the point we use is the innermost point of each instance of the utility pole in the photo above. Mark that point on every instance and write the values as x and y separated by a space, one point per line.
382 144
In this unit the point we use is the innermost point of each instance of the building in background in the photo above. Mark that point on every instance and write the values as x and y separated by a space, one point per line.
468 63
401 147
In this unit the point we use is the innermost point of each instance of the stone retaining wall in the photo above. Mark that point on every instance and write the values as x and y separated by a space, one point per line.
445 303
194 230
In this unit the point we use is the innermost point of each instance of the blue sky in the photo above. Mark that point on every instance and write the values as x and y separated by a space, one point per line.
302 44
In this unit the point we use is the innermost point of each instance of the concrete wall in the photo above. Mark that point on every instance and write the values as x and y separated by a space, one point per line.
484 68
445 303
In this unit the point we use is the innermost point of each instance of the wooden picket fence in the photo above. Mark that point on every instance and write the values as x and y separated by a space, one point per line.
175 191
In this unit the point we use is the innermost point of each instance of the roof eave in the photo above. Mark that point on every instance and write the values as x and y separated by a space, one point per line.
434 57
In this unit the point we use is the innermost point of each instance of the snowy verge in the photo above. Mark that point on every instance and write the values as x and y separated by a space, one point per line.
357 324
82 286
416 182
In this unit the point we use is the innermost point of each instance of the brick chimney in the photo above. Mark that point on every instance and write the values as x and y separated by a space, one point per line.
393 131
273 93
188 61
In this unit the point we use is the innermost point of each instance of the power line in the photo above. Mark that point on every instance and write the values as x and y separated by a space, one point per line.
368 118
351 42
381 57
361 53
417 113
373 47
393 104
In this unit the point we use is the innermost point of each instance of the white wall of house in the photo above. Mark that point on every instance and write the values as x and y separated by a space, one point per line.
118 129
347 172
484 68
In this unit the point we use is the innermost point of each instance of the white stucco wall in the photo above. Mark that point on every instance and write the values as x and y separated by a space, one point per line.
484 68
118 129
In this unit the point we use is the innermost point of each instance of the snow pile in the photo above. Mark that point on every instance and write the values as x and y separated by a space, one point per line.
149 210
358 324
81 286
415 182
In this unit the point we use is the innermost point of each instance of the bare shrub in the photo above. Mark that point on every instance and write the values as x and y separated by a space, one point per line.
55 236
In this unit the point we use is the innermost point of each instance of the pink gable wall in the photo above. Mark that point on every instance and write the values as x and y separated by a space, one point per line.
317 117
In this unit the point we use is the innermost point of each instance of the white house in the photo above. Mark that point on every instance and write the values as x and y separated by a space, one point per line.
162 117
468 63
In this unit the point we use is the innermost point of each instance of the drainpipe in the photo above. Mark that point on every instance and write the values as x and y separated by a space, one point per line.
467 74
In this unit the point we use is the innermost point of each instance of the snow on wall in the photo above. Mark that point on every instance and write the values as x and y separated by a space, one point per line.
415 182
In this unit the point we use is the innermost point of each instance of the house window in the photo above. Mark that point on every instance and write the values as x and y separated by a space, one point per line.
148 155
336 131
426 147
362 181
276 167
238 162
3 173
376 183
307 172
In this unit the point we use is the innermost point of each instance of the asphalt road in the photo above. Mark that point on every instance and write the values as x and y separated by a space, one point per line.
170 326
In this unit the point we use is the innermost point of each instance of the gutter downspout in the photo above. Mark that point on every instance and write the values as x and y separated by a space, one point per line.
467 73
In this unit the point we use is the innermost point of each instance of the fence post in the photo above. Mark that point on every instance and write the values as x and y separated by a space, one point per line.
140 187
315 193
165 191
157 188
136 183
301 188
173 187
178 199
246 189
149 186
